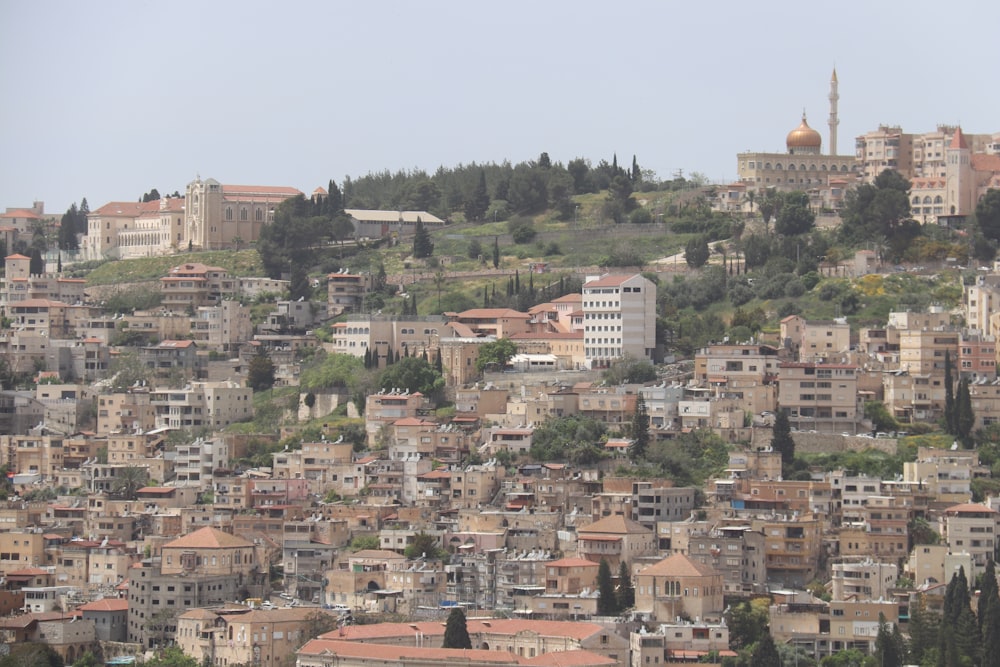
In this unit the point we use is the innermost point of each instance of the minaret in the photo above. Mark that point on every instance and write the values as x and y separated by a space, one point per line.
834 121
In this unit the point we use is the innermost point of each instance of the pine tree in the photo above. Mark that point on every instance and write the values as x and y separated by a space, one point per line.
423 247
636 174
987 592
260 372
640 430
968 641
607 605
956 598
68 229
334 199
456 630
477 205
625 597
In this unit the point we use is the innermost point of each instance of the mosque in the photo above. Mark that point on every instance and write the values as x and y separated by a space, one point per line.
803 166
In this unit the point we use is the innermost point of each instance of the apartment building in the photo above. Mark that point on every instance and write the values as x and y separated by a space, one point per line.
203 404
737 551
819 396
972 528
190 286
619 315
346 292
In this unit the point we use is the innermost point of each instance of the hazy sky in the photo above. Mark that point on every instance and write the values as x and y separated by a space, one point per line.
108 99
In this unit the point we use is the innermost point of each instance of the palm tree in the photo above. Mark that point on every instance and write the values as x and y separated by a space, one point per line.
439 280
129 480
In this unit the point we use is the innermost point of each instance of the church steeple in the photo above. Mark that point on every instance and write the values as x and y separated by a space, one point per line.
834 121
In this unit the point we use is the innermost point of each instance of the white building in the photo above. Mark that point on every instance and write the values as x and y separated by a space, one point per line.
619 317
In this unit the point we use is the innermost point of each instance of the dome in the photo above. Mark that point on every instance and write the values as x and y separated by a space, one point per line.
803 137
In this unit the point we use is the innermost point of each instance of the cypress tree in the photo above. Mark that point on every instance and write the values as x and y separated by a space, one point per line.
949 395
887 652
456 630
607 605
640 430
964 417
496 252
923 627
987 592
781 439
626 593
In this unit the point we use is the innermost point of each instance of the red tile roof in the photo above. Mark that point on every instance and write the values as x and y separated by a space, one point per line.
21 213
106 604
610 280
679 565
207 538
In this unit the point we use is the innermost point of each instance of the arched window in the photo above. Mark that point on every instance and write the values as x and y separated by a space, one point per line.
938 200
802 167
843 167
229 213
812 167
927 199
767 165
791 167
259 215
243 214
822 167
916 199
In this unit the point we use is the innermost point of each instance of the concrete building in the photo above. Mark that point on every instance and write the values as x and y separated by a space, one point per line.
819 396
619 314
971 528
679 586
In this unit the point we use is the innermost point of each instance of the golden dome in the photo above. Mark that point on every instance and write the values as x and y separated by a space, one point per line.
803 137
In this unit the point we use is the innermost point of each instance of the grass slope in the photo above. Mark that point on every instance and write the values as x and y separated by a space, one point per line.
237 262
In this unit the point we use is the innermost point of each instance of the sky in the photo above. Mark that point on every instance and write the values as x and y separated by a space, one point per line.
107 100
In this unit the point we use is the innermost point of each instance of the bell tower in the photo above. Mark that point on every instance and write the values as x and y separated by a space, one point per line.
834 121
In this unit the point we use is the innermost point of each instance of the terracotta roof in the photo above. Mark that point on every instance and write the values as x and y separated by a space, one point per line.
386 653
483 313
21 213
260 190
610 280
199 613
17 256
984 162
568 659
207 538
126 208
28 572
106 604
958 139
679 565
615 525
578 630
970 507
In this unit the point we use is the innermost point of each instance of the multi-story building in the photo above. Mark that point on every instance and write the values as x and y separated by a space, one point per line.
193 285
972 528
881 530
863 579
819 396
346 292
792 548
203 404
222 327
679 586
619 314
737 551
744 372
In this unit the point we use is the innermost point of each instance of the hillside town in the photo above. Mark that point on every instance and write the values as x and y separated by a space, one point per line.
210 473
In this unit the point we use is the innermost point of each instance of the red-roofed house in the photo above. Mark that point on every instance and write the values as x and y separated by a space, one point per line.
110 617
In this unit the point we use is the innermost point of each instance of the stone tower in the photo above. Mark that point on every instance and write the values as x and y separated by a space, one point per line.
834 121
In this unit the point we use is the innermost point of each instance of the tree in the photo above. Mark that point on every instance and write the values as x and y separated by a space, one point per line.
765 654
260 373
129 480
128 371
949 395
475 249
607 605
880 209
626 592
879 416
495 354
747 622
423 545
629 370
36 266
639 431
456 631
696 252
923 628
423 247
768 206
479 202
31 654
68 229
412 374
988 592
988 616
88 659
81 221
956 599
781 438
795 217
887 652
988 214
496 252
152 195
964 417
171 656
